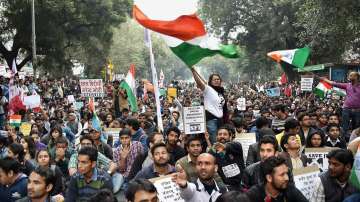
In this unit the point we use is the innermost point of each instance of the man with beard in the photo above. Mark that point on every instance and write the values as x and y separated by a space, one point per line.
351 107
276 187
268 147
161 165
176 152
229 156
40 184
333 184
205 188
119 99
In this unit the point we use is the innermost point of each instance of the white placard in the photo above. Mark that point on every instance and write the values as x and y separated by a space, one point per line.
91 87
194 120
317 156
245 139
241 104
71 98
114 132
32 101
306 84
305 179
166 189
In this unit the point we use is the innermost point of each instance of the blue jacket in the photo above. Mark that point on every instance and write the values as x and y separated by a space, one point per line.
15 191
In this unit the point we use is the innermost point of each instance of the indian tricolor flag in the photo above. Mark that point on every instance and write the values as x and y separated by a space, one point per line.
181 28
15 120
355 172
322 88
129 85
295 57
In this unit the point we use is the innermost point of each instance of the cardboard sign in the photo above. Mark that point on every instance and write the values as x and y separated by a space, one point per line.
25 128
91 87
306 84
171 92
166 189
194 120
241 104
79 105
305 179
245 139
71 98
32 101
317 156
273 92
113 132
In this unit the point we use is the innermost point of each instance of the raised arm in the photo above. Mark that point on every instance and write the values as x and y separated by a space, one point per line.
200 82
327 80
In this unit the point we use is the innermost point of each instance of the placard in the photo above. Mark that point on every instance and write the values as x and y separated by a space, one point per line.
194 120
245 139
273 92
317 156
241 104
32 101
114 132
79 105
306 84
25 128
171 92
305 179
71 98
91 87
167 190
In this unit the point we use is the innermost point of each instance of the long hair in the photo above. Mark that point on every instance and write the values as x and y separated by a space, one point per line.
218 89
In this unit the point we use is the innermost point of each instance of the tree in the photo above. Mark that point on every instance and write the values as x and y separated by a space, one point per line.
65 30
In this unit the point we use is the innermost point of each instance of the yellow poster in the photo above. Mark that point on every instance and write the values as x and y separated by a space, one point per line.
25 128
171 94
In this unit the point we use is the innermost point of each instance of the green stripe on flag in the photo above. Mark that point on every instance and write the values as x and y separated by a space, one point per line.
131 97
300 57
192 54
319 93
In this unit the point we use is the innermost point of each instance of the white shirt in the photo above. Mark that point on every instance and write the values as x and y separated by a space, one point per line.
213 101
198 194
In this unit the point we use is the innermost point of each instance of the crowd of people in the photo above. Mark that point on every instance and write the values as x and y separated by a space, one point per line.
68 157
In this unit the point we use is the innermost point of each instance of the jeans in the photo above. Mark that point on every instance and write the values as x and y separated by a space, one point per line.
350 115
117 180
212 126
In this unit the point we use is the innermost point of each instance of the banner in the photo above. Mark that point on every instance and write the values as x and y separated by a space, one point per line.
306 84
273 92
91 87
245 139
305 179
317 156
241 104
25 128
167 190
194 120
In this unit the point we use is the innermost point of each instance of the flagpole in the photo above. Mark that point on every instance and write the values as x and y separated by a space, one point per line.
155 82
33 36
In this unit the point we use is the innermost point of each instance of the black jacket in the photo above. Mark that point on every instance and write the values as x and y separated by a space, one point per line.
291 194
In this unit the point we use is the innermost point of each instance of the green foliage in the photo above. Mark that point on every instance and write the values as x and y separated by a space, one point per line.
330 28
65 30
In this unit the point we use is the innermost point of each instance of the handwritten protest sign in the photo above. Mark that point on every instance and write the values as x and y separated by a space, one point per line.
194 120
25 128
91 87
166 189
317 156
273 92
71 98
306 84
305 178
112 132
171 93
32 101
241 104
246 139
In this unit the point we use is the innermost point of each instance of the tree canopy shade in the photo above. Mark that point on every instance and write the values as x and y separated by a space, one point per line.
65 30
329 27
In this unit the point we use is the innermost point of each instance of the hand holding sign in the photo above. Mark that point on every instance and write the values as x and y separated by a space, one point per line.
179 177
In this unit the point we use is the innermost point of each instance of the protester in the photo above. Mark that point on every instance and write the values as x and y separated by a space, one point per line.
276 186
88 180
315 139
12 180
172 138
291 152
205 188
141 190
333 184
333 138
